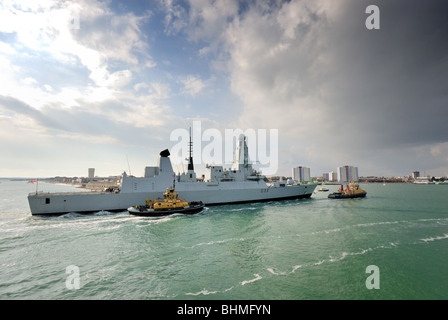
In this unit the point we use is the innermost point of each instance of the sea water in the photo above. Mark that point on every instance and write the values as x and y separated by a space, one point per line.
393 244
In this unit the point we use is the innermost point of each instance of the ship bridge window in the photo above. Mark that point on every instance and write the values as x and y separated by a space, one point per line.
47 200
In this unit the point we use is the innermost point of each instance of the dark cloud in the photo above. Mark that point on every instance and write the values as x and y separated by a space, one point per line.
392 82
342 91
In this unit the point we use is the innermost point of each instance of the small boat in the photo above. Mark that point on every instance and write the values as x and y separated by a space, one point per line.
323 189
353 190
170 204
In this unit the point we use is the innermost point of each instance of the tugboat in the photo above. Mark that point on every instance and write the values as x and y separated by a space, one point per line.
353 190
170 204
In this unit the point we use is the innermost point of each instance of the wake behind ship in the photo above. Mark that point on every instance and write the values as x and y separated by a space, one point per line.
240 184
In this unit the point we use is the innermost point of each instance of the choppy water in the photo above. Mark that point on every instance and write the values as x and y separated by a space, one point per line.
304 249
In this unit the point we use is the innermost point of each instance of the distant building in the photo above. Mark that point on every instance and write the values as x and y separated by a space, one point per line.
347 174
416 174
330 176
91 173
301 174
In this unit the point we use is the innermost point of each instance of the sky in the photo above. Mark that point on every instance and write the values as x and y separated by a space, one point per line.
104 84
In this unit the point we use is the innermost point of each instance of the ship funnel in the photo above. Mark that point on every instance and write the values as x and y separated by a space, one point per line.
165 153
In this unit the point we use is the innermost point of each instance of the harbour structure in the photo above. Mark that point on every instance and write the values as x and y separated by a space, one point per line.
347 174
239 184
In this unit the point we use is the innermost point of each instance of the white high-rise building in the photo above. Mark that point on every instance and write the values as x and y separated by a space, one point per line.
301 174
91 173
347 174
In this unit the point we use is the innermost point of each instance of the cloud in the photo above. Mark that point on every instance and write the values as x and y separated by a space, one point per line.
193 85
337 92
68 87
103 43
6 48
85 66
200 21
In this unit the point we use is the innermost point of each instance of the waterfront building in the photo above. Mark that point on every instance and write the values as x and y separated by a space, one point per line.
347 174
301 174
91 173
330 176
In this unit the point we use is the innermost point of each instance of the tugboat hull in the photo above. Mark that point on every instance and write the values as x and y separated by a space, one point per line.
337 195
144 211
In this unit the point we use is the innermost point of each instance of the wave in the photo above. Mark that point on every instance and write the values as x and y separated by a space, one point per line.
205 292
276 272
328 231
215 242
257 277
445 236
243 209
372 224
102 221
103 213
143 222
330 259
273 271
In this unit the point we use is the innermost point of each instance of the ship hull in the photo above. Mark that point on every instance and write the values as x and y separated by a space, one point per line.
222 193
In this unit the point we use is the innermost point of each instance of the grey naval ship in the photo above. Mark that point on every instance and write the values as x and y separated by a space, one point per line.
239 184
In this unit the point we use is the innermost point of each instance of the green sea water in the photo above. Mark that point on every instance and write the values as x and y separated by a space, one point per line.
315 248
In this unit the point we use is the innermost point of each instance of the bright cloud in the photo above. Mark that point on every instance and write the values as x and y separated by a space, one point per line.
77 64
54 28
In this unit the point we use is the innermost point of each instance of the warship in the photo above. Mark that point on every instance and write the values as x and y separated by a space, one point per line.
239 184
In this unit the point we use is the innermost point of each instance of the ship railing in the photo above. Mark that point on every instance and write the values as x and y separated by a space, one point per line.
38 193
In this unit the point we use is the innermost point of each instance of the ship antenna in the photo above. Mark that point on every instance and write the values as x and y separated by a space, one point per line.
190 160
